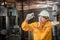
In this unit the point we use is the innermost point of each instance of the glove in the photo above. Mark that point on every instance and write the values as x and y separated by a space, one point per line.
29 16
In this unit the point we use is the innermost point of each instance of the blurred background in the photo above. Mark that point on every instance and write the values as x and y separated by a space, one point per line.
13 13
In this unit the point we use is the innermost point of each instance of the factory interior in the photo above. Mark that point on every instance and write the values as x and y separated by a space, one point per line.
14 12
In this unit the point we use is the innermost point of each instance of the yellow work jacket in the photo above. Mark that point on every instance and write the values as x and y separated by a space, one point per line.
39 32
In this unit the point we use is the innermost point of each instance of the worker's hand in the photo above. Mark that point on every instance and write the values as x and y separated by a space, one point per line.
29 16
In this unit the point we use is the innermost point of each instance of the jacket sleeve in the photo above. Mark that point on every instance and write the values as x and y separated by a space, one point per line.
26 26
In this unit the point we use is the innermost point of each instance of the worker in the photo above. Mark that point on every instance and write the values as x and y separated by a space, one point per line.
41 29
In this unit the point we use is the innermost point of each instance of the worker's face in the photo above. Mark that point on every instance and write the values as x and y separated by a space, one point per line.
42 19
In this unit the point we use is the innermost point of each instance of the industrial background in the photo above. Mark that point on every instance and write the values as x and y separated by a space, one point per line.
14 12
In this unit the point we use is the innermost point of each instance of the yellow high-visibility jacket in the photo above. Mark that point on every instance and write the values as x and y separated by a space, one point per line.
39 32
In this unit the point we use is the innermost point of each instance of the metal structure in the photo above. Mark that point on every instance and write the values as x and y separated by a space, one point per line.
12 24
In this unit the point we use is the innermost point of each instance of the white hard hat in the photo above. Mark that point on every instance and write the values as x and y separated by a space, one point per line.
44 13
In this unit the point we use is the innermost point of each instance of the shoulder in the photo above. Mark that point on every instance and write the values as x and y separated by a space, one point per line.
49 23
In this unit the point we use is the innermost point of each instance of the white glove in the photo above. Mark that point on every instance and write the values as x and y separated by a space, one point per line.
29 16
54 23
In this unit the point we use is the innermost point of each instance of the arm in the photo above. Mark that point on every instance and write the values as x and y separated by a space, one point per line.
26 26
